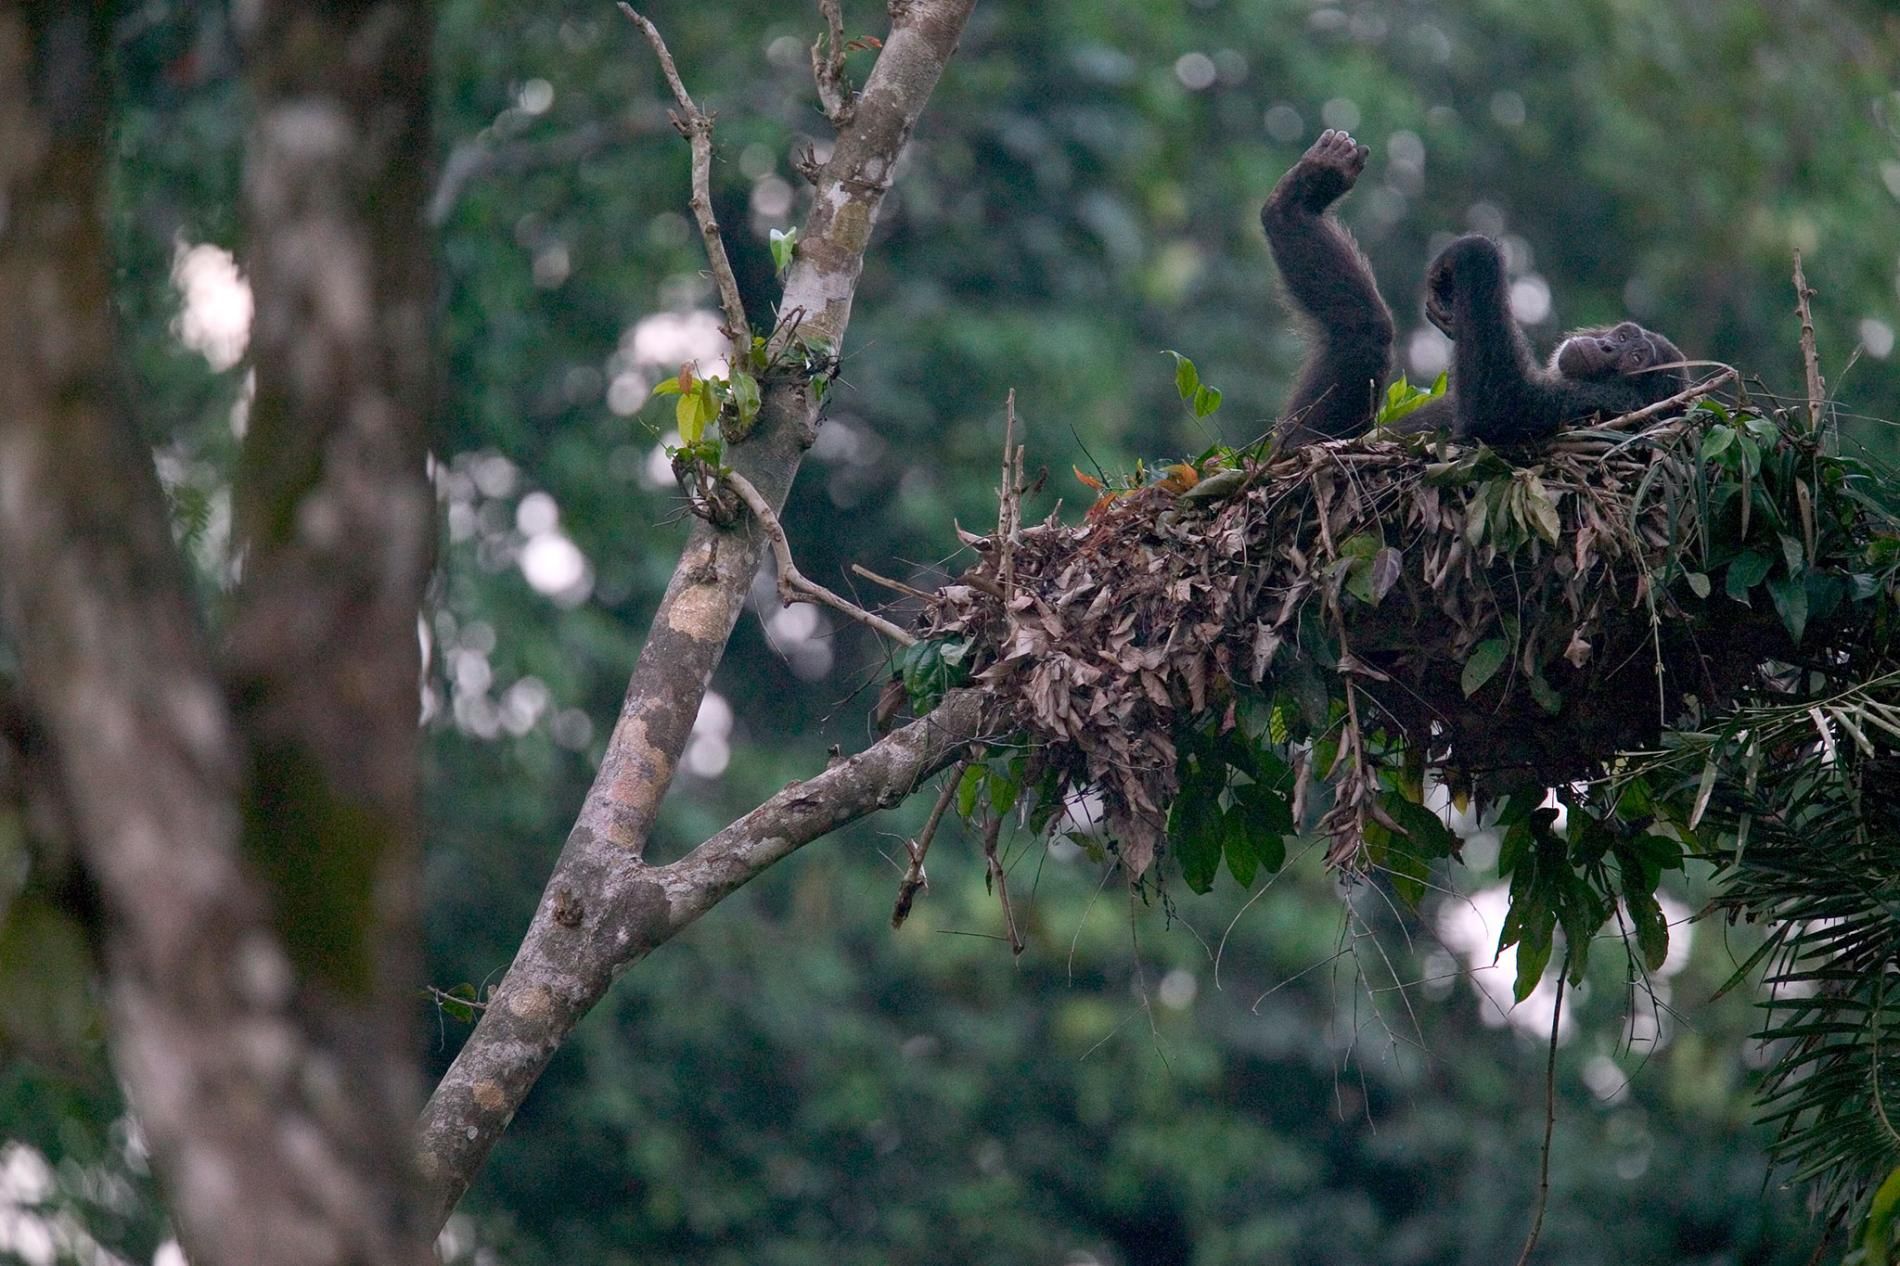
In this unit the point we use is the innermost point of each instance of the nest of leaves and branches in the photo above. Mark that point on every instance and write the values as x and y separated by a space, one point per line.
1679 623
1234 649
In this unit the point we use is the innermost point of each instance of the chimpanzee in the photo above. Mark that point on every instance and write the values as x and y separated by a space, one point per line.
1498 393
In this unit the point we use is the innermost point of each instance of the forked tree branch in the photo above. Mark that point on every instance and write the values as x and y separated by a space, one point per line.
827 66
918 847
618 909
793 584
563 968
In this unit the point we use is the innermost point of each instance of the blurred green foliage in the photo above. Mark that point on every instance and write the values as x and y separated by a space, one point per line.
792 1083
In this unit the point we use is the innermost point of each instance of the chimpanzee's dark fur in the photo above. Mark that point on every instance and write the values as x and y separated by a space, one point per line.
1498 393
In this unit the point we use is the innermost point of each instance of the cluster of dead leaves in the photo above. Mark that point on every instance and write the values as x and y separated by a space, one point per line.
1491 618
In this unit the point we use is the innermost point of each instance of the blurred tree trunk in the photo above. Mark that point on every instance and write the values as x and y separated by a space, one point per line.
256 862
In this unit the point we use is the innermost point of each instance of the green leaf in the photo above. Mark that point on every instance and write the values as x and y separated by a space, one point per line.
1659 851
1265 811
1698 583
1402 398
1237 845
1584 910
1745 573
1652 930
745 397
1206 400
1824 594
969 787
1359 580
1546 695
1428 835
1409 857
1406 870
1533 951
696 408
930 668
1361 545
1486 658
1195 835
1877 1240
1716 441
1763 429
1004 789
1791 603
666 387
459 1003
1792 552
784 241
1186 377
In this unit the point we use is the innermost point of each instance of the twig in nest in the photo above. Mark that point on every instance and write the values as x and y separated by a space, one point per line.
793 585
827 67
895 586
1009 502
1816 388
999 881
914 879
1674 402
1550 1122
696 126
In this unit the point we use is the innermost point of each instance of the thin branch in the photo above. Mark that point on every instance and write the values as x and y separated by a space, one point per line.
1816 388
1550 1123
1681 398
827 67
1009 502
696 126
999 880
793 584
895 586
914 878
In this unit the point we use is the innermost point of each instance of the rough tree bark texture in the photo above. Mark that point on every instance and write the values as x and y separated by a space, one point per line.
603 906
257 1126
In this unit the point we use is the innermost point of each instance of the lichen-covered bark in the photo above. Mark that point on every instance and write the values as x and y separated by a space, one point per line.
558 973
255 1127
609 911
709 585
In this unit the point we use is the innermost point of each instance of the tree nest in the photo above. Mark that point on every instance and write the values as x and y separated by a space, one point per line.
1382 604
